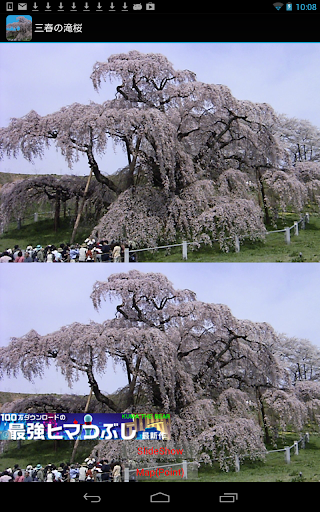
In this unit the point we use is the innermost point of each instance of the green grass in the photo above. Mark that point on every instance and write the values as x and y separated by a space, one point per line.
274 249
274 468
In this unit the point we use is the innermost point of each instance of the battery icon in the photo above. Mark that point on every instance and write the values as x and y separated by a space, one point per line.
289 7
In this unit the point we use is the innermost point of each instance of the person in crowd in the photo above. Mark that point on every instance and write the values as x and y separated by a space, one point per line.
6 476
39 473
116 254
82 472
74 253
6 257
50 476
90 241
97 252
50 256
74 472
82 253
65 473
57 474
19 258
89 255
15 251
28 477
89 473
105 249
28 258
116 472
105 468
65 253
19 477
57 254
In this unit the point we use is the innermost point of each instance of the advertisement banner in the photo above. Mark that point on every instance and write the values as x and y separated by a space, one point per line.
46 426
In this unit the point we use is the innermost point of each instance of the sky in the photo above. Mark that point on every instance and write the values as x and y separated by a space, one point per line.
47 76
47 297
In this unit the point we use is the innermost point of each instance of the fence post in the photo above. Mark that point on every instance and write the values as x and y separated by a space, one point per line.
303 223
307 437
237 243
236 463
19 223
287 235
296 447
287 454
185 469
126 474
303 443
296 228
35 217
126 255
307 218
184 250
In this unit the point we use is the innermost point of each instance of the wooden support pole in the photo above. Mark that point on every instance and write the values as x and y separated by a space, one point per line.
77 441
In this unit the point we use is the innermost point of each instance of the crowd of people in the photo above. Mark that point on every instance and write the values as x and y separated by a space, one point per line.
90 471
90 251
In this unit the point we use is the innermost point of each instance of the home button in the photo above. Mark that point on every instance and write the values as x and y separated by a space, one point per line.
160 497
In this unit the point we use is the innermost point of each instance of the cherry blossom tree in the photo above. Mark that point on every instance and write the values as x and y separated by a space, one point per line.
309 174
201 213
181 136
20 195
300 139
283 191
309 393
299 357
283 410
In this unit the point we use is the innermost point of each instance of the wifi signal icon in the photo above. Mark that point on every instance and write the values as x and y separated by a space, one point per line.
278 5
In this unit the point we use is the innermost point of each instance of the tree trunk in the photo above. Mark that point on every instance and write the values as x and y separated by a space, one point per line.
133 162
262 197
97 393
57 211
96 171
76 224
262 416
132 384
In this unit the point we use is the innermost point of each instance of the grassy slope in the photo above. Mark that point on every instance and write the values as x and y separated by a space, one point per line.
273 250
274 469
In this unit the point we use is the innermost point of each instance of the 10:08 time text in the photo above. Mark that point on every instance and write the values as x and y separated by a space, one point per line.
306 7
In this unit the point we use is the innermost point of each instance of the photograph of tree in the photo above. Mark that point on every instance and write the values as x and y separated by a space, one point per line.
199 164
231 385
19 28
